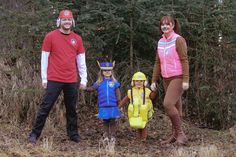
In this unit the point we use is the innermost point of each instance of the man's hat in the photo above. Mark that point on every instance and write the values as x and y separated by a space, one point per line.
63 15
106 65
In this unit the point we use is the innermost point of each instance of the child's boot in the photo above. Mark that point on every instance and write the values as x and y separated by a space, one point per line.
144 134
106 129
113 129
139 134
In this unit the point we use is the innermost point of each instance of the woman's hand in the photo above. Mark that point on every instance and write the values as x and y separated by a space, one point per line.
185 85
153 86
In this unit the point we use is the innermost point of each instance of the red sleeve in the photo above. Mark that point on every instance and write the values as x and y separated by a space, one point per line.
47 43
80 46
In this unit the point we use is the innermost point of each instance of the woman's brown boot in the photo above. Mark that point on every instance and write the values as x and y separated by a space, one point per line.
180 135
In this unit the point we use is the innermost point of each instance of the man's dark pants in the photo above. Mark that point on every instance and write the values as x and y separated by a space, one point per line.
53 90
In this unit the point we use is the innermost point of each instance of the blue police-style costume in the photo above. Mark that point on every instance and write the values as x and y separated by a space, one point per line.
107 101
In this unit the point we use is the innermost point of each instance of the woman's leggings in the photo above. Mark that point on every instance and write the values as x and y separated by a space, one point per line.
173 92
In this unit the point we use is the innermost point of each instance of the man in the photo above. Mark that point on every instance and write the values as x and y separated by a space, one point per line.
63 54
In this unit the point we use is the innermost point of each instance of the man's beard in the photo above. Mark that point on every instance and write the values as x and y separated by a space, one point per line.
66 28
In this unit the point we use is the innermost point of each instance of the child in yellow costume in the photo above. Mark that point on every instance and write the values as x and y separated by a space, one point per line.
140 107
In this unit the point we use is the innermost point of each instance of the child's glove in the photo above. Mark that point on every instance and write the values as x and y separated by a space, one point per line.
153 86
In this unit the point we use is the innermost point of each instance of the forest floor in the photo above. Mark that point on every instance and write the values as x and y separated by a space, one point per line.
55 143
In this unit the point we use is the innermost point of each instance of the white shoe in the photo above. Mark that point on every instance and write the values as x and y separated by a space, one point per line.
113 140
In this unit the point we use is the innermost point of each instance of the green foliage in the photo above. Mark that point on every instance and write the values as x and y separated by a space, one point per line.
106 24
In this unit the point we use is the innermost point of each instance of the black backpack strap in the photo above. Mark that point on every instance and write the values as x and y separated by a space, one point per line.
132 99
143 95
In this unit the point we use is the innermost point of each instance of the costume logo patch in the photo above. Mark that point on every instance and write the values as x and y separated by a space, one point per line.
111 84
142 95
73 41
66 13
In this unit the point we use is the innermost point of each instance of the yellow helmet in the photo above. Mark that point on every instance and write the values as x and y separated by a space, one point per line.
139 76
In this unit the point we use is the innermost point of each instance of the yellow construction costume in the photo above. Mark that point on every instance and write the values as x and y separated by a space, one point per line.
140 109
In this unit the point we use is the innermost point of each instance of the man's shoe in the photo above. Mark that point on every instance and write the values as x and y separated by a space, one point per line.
32 138
75 139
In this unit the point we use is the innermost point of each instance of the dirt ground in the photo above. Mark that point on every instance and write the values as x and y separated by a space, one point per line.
54 141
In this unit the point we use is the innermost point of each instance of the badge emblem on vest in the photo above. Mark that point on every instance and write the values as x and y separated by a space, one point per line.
73 41
111 84
66 13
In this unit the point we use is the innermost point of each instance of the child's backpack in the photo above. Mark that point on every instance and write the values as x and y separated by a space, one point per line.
140 109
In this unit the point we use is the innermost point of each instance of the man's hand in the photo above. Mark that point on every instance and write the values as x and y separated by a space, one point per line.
82 86
185 85
44 85
153 86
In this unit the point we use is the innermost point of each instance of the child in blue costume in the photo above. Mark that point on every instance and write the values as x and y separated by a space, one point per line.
108 89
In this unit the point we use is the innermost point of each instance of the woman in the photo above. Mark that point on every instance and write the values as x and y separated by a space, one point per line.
172 63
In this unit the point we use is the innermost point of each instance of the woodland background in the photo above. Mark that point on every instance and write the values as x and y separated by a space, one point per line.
127 32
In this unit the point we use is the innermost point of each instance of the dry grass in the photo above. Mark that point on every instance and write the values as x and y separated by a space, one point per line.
47 144
21 94
210 151
107 147
197 151
54 142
